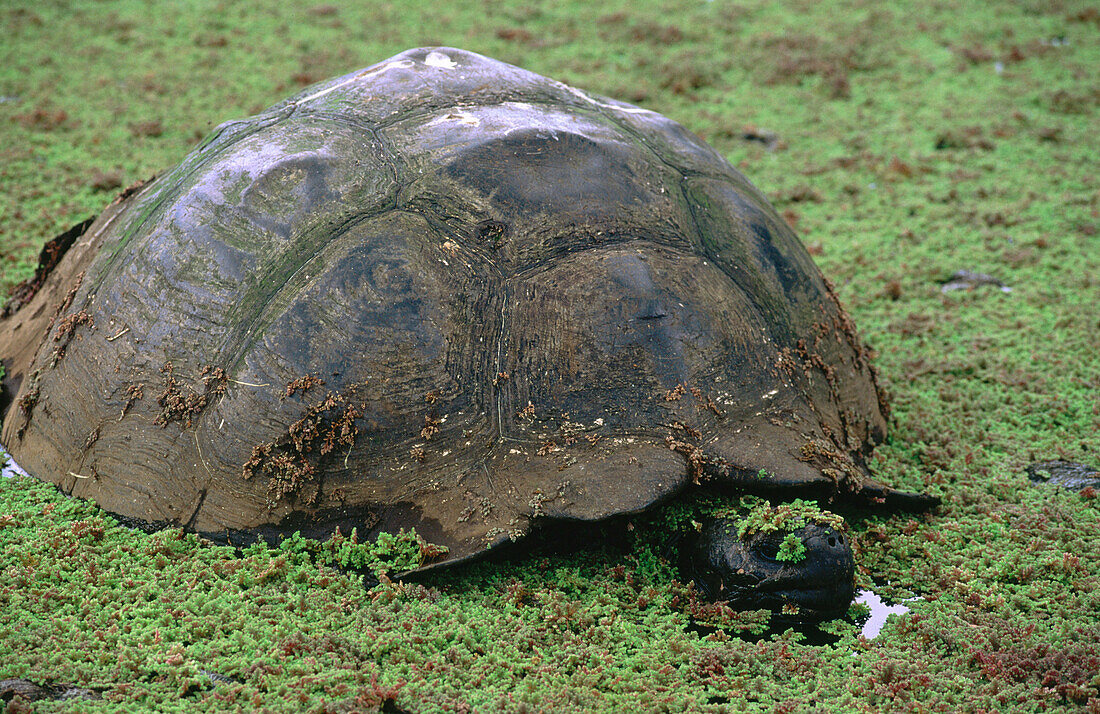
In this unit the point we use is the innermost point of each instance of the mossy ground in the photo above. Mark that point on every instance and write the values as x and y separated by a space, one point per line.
904 142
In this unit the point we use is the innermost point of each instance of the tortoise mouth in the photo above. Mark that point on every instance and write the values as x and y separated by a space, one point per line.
813 604
813 598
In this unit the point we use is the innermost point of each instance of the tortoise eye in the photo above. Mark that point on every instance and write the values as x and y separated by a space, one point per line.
767 546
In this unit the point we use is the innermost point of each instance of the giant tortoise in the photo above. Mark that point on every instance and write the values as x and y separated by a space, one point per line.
440 293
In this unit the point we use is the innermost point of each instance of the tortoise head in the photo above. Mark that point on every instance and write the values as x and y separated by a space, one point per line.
805 573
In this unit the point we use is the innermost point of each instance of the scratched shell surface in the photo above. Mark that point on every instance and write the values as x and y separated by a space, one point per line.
522 300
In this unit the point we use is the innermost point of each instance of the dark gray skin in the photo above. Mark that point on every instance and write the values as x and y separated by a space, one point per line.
1066 474
27 691
514 301
745 571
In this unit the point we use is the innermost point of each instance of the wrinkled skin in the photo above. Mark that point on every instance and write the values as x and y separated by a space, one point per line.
440 293
746 571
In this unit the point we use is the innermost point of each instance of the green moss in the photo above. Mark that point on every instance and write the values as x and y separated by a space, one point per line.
763 517
792 549
388 553
901 156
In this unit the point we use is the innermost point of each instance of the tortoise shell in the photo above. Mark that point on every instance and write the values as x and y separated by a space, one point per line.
441 292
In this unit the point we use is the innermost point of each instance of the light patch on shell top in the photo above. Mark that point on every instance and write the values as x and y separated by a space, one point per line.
400 64
459 116
624 108
438 59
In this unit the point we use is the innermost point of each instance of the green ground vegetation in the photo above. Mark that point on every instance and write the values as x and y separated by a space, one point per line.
903 141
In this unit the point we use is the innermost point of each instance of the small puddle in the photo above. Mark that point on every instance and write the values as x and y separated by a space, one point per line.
8 467
879 612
